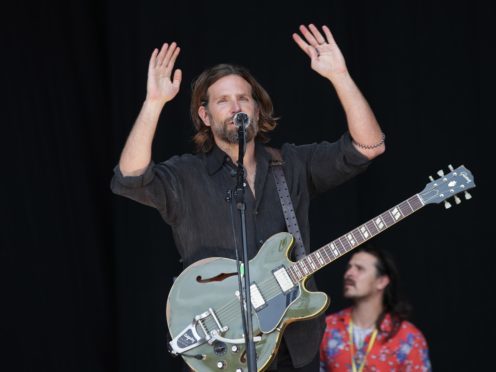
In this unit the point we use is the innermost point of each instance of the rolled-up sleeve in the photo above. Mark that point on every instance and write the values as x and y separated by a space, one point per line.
330 164
157 187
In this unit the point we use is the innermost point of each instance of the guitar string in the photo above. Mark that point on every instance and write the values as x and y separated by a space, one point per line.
269 287
273 289
230 310
263 288
226 309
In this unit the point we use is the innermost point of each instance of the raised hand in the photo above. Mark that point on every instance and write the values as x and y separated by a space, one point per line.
326 58
160 86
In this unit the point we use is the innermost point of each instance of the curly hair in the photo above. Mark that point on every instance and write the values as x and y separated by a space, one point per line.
203 138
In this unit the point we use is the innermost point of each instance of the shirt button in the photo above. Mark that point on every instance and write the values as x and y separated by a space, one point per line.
260 242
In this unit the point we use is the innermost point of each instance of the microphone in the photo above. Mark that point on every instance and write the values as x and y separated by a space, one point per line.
241 119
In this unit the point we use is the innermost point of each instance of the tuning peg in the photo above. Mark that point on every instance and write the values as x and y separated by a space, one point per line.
450 167
440 173
457 200
467 196
447 204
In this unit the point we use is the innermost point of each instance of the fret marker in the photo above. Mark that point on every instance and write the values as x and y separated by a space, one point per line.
364 232
396 213
351 239
319 257
298 272
379 223
334 250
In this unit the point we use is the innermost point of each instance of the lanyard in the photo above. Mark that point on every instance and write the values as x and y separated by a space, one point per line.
352 348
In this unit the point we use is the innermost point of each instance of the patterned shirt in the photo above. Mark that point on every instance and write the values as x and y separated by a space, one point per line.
405 351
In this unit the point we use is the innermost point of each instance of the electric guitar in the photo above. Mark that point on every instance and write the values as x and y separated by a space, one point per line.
204 310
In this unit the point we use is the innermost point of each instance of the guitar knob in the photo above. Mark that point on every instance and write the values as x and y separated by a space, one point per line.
467 196
234 348
447 204
440 173
220 348
450 167
431 178
457 200
221 364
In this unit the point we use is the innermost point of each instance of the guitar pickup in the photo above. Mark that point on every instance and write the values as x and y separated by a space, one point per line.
283 279
257 299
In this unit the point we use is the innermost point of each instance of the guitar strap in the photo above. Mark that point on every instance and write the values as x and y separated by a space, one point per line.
286 203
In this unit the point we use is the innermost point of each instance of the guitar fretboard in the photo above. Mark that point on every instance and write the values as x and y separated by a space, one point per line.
345 243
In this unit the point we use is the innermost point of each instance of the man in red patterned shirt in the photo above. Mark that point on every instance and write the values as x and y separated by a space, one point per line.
373 334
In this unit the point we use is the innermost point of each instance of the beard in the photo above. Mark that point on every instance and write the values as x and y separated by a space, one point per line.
229 133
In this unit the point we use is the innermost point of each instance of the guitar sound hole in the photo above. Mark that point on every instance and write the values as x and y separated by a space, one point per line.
242 357
217 278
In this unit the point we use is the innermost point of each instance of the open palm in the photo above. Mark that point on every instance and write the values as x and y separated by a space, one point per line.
160 86
326 58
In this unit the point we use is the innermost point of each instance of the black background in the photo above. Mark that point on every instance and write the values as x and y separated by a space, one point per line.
85 274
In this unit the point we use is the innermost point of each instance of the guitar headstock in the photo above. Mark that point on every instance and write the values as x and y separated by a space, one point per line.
448 186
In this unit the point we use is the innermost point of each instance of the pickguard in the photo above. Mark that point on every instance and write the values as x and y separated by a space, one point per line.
270 316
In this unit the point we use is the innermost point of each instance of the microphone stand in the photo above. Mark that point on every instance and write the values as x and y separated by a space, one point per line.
246 297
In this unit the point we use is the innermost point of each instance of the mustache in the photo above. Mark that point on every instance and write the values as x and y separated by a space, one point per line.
349 281
230 120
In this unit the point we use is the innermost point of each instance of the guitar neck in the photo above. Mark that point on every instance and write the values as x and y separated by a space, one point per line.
349 241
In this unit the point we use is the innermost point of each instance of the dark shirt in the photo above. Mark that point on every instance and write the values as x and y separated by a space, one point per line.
189 191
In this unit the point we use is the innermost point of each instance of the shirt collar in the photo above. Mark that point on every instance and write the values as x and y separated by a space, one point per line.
345 317
216 158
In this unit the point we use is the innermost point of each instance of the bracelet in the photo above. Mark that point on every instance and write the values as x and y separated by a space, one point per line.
369 147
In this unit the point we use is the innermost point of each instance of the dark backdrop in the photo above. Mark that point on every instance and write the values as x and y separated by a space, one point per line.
85 274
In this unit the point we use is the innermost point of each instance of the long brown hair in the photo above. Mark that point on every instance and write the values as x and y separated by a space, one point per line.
203 138
394 301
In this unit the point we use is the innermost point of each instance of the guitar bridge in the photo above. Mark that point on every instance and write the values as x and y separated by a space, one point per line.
189 338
